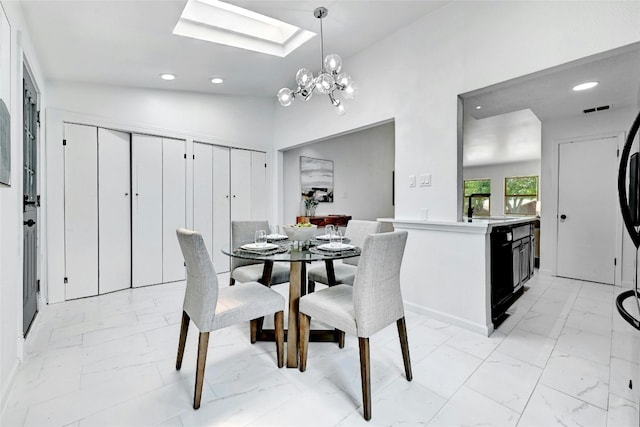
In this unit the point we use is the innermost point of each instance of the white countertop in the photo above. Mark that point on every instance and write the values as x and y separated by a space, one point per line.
478 225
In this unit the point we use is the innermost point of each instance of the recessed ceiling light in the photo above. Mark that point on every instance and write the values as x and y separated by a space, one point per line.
478 107
167 76
219 22
585 86
216 80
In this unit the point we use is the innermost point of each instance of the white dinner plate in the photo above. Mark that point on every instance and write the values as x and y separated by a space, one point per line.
335 246
259 247
276 236
323 237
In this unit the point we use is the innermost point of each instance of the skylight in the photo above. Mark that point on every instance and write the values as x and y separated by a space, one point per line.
224 23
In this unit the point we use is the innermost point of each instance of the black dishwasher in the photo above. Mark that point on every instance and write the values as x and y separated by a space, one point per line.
511 249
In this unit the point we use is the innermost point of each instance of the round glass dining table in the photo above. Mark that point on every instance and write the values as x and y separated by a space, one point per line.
297 257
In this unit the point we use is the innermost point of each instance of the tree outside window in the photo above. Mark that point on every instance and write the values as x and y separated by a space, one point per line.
520 195
481 205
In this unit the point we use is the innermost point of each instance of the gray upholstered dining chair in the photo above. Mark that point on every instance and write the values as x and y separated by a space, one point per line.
345 271
246 270
372 303
212 308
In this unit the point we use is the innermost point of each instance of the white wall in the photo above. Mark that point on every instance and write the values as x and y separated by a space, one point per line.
363 163
11 247
605 123
245 122
497 174
415 75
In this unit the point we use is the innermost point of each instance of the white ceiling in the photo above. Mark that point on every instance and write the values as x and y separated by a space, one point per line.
547 95
129 43
507 138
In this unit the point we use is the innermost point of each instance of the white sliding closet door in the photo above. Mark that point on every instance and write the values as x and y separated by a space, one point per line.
221 208
173 207
240 184
81 210
147 209
114 210
258 185
203 193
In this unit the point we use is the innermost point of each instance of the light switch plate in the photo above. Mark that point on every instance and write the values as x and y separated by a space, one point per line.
412 180
425 180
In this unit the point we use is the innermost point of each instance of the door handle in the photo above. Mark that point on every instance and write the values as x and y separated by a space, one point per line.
29 223
563 217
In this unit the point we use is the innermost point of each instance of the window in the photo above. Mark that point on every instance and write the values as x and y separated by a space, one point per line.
481 204
520 195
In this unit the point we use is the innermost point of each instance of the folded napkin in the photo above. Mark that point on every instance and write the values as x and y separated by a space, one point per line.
351 251
278 250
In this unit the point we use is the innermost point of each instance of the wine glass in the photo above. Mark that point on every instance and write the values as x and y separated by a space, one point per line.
260 238
329 230
275 230
335 240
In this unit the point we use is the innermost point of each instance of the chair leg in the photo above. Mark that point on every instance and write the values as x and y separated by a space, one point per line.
340 338
365 375
404 344
203 343
304 340
311 287
278 320
253 330
183 339
232 281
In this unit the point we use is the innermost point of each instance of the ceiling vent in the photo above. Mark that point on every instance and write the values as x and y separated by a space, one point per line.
594 109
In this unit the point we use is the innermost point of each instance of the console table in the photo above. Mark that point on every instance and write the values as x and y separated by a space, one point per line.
322 221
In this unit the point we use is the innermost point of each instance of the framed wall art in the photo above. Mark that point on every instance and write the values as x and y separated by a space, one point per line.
316 179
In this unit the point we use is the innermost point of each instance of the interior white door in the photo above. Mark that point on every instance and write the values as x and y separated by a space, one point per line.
203 192
587 209
147 210
81 210
258 185
240 184
174 187
221 207
114 210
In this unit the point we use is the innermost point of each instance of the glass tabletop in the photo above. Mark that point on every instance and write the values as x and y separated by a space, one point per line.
288 252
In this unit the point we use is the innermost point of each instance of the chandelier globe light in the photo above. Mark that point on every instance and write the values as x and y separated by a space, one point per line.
327 82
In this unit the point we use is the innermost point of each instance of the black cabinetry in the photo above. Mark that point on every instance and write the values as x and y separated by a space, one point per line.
512 264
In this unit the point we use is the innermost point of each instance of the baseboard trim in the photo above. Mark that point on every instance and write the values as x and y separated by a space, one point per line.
9 386
478 328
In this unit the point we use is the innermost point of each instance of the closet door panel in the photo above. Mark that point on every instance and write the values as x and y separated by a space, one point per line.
173 207
258 185
221 208
240 184
81 210
114 210
203 193
147 210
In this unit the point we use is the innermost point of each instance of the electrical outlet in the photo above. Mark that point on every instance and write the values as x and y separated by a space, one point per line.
424 213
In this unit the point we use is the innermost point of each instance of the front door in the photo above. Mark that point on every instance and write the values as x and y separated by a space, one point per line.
30 204
587 205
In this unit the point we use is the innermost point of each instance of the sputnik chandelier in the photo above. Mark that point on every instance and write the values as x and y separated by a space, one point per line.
328 81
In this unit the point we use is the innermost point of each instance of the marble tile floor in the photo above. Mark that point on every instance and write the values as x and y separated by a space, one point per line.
564 357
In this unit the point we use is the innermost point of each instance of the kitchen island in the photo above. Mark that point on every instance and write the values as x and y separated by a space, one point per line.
446 270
